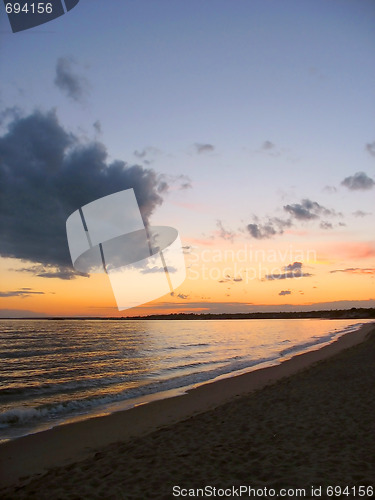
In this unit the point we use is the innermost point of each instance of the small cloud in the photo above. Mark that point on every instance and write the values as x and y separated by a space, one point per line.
182 296
309 210
360 213
97 126
203 148
23 293
355 270
225 234
293 267
72 85
147 154
268 229
267 145
61 272
358 181
370 147
291 271
173 182
230 279
326 225
285 292
330 189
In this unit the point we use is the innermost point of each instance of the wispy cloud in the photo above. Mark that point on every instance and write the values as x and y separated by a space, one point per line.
370 147
50 271
355 270
285 292
358 181
203 148
360 213
225 234
22 292
291 271
70 83
231 279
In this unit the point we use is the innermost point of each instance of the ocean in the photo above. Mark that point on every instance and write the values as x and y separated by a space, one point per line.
57 371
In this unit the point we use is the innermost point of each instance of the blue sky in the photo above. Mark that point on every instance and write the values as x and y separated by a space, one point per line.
257 104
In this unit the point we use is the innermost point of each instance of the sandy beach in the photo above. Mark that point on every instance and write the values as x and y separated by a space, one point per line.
305 423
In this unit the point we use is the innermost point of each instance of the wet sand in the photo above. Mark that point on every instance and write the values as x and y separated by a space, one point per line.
308 421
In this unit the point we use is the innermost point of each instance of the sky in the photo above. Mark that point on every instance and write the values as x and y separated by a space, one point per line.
248 126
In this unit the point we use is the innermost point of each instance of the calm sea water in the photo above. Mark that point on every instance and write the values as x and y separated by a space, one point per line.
57 371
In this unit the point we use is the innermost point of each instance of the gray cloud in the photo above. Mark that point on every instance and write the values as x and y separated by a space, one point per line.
285 292
326 225
168 182
268 229
231 279
23 293
267 145
46 174
370 147
225 234
330 189
360 213
182 296
355 270
97 126
291 271
147 154
309 210
51 271
156 269
203 148
358 181
72 85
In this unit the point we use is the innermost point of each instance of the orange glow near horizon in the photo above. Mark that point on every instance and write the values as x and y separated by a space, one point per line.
229 276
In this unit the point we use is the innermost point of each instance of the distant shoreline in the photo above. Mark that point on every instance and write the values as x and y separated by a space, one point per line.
353 313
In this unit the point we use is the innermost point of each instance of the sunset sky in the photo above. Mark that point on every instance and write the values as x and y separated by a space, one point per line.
248 126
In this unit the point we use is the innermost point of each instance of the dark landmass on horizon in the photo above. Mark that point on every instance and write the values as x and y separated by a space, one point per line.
353 313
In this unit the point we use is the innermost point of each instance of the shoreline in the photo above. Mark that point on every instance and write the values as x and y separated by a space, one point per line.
73 442
165 393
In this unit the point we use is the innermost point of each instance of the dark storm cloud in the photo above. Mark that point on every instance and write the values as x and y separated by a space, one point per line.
203 148
46 174
71 84
358 181
9 114
309 210
370 147
285 292
291 271
268 229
